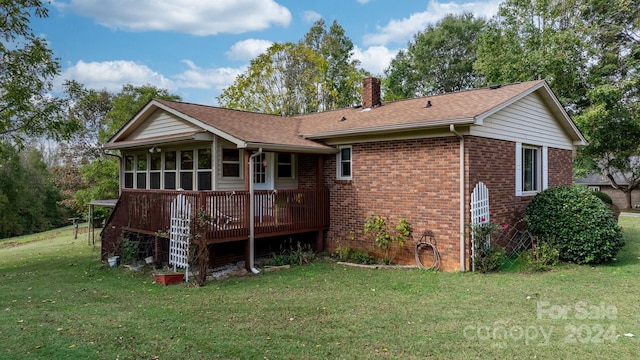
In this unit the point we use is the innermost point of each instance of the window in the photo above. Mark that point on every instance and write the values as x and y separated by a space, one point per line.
204 169
344 162
141 172
531 169
129 160
186 169
285 166
260 170
155 166
231 163
170 170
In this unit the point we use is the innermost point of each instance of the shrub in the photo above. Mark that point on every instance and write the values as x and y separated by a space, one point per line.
491 259
580 225
604 197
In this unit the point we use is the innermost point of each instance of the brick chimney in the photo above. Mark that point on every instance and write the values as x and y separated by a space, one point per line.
370 92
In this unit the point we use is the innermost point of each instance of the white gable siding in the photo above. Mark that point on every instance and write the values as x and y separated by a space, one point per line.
161 123
527 121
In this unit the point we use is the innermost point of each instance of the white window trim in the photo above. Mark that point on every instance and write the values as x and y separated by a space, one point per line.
339 163
544 168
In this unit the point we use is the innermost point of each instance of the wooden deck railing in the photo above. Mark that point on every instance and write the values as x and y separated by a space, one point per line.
276 213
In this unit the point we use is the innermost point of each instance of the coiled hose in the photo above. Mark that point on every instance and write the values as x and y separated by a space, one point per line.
422 245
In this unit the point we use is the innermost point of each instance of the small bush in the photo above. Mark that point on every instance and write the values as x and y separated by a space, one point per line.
578 223
604 197
361 257
545 256
490 260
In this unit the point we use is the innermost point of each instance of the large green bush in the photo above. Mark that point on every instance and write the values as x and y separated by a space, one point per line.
577 222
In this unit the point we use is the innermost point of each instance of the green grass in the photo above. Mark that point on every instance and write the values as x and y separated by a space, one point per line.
58 302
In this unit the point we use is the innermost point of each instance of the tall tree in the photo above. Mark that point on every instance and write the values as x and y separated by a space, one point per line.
340 77
315 74
282 81
440 59
613 130
27 68
532 39
611 123
28 198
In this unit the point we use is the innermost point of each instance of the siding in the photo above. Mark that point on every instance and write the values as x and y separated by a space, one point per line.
161 123
527 121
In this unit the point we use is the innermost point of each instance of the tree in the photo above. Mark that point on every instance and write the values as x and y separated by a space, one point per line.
27 68
340 77
530 40
283 81
316 74
89 108
613 131
440 59
28 198
611 123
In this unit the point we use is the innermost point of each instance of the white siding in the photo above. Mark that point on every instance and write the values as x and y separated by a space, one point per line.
528 121
221 183
161 123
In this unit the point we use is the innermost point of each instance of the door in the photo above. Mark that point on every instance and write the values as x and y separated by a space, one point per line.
263 167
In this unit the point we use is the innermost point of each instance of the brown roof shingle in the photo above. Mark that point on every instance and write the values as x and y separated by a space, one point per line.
450 107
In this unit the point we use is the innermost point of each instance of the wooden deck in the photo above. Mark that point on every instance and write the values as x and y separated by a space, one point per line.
277 213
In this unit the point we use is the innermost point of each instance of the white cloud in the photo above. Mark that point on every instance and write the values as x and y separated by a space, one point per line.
248 49
200 78
310 16
402 31
194 17
363 1
375 59
112 75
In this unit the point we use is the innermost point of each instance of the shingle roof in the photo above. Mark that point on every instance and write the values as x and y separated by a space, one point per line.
461 106
252 129
248 126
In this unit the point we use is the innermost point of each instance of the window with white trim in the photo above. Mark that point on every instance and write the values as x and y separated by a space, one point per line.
155 168
186 169
344 162
170 170
129 171
231 163
205 170
141 171
531 169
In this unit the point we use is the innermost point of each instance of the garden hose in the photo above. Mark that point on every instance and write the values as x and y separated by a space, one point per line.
426 244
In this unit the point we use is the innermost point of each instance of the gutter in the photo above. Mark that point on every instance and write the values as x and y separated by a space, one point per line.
452 128
252 218
389 128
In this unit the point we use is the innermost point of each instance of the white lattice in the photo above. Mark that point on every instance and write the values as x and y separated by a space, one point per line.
180 234
479 215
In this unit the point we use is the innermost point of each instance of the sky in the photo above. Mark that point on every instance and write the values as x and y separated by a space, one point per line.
196 48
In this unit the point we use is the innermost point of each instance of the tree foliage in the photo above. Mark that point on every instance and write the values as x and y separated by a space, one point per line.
28 198
440 59
315 74
531 40
27 68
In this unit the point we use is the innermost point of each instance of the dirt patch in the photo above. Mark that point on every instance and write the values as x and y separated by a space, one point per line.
9 244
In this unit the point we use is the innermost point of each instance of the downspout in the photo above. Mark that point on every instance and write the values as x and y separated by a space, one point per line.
252 212
452 128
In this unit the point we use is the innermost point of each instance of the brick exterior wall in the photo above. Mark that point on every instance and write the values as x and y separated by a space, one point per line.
415 179
419 180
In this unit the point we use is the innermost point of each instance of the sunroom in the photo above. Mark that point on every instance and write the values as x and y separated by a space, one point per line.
217 158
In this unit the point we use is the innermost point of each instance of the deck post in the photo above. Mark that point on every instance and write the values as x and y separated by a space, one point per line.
320 241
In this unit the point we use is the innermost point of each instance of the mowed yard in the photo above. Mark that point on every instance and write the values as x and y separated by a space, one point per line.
58 302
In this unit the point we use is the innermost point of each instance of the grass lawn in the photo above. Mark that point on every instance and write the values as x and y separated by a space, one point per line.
58 302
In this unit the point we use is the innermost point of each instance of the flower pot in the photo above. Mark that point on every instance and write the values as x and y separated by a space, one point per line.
113 261
168 279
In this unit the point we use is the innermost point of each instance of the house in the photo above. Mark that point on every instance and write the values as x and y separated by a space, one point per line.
598 182
323 174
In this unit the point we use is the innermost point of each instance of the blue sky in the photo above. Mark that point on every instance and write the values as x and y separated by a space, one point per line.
196 48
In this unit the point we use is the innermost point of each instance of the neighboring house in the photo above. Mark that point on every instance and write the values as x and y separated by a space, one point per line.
597 182
324 173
